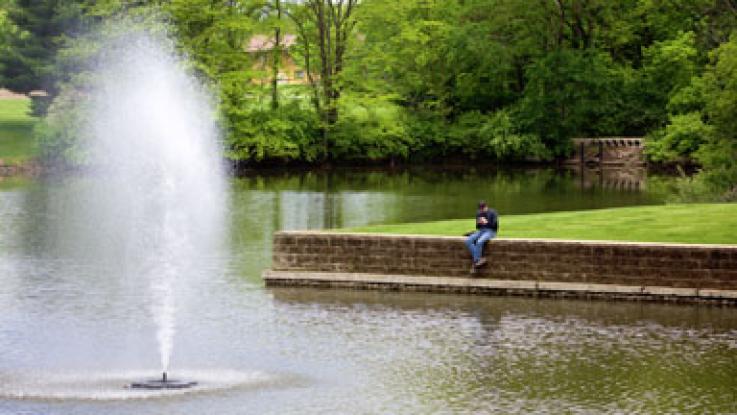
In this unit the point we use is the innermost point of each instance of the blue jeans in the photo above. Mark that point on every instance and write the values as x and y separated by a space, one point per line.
476 241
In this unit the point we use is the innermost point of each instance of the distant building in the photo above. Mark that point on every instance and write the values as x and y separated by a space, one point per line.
261 46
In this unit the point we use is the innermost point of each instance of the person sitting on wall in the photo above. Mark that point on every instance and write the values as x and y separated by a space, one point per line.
487 225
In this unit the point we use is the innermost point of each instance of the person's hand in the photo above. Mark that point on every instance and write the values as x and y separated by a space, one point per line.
483 221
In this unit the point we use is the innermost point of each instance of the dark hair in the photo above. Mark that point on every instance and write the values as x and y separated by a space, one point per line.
482 204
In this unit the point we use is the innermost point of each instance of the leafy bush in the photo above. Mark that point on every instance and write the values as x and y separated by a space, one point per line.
679 140
370 128
287 133
494 136
428 130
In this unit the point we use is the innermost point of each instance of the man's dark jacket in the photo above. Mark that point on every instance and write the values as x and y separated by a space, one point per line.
492 219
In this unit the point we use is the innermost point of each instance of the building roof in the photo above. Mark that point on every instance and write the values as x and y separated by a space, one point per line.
262 42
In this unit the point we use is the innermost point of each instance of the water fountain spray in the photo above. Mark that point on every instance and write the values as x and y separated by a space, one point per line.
153 138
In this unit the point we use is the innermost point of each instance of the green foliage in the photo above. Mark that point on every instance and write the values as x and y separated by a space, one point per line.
571 93
708 134
8 31
429 131
370 128
680 139
405 50
721 89
214 35
494 136
289 133
500 80
719 154
38 31
690 98
704 188
669 66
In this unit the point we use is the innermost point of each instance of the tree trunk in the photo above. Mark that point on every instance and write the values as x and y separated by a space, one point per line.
277 59
333 21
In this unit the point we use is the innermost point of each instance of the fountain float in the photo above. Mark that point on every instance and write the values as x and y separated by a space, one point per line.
163 383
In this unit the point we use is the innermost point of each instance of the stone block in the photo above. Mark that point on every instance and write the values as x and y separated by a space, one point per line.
670 291
727 263
724 274
727 294
285 239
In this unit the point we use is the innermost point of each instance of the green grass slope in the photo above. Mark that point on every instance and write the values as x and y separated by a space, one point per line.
16 127
683 223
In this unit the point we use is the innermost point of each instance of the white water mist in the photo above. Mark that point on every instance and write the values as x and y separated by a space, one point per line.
154 144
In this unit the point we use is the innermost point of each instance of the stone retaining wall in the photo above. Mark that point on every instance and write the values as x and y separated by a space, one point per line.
608 151
368 260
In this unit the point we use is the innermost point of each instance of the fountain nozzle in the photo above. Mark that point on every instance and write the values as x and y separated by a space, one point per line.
162 383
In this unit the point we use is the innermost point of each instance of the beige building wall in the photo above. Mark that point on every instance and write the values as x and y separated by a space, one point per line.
290 73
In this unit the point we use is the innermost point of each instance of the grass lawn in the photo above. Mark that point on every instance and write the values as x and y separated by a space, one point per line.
686 223
16 127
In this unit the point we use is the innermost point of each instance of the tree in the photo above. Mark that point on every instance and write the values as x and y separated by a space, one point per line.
8 31
425 79
719 154
571 93
215 33
325 25
668 66
41 26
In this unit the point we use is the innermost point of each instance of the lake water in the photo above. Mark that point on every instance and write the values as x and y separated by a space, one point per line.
74 329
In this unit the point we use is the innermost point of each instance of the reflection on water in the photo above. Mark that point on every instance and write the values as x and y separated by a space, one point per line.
74 327
352 198
632 179
516 354
346 198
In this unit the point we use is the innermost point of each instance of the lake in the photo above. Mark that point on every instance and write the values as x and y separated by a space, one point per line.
75 327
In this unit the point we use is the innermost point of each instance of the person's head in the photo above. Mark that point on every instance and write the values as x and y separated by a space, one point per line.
483 206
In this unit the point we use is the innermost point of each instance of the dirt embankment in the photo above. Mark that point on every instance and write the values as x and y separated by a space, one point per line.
25 168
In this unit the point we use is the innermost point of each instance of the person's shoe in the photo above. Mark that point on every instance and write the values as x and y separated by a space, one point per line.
480 263
473 269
